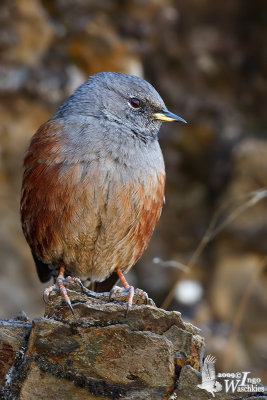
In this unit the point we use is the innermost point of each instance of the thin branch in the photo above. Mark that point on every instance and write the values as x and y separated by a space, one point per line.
170 263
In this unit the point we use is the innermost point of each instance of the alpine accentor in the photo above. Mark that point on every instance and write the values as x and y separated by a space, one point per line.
93 184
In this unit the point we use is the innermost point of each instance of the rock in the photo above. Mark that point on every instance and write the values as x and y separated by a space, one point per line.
48 388
14 334
98 352
188 348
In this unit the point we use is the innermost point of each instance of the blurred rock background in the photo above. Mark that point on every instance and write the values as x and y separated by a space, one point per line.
208 60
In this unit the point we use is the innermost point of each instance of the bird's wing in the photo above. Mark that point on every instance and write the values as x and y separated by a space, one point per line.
208 369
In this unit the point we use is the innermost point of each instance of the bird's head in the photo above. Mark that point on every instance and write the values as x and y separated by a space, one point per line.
121 99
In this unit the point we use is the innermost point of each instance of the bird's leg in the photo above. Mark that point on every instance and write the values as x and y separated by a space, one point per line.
130 289
59 284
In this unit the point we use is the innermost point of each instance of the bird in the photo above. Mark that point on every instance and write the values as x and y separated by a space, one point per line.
209 382
93 182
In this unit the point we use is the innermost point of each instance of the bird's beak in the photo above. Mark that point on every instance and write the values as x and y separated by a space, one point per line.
167 116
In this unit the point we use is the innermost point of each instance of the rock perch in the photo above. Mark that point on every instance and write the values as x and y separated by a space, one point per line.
97 353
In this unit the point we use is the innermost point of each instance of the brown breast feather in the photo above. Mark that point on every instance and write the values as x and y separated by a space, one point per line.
130 216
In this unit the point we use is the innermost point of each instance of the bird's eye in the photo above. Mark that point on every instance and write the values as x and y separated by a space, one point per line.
135 103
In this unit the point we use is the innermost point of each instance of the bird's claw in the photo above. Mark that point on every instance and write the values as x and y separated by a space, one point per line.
142 294
130 291
48 291
60 285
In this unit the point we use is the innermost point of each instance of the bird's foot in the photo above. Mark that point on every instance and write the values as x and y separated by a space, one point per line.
60 285
129 291
141 293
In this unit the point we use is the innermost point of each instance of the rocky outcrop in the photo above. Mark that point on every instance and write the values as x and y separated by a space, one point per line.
99 353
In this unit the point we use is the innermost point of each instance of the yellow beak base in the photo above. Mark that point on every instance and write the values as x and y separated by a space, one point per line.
167 116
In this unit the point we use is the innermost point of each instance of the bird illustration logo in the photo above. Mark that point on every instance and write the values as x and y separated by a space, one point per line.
208 376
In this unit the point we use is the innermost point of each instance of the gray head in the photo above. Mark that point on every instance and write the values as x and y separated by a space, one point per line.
123 99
